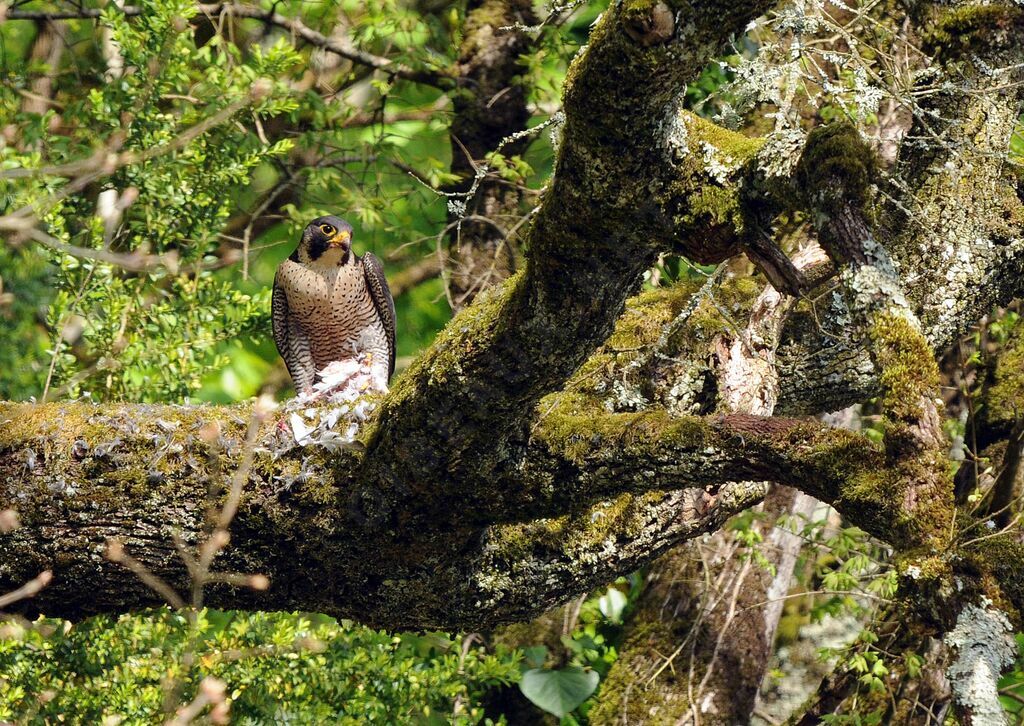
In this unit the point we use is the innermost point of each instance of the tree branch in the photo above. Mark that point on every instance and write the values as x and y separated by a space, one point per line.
406 279
491 485
296 27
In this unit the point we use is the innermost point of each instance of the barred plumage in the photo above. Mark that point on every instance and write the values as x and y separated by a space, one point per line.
329 304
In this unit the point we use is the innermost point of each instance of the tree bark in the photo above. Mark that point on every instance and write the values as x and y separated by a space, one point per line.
701 637
515 465
490 108
47 49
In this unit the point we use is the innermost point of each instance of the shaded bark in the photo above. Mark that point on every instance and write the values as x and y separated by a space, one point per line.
490 108
1006 490
701 636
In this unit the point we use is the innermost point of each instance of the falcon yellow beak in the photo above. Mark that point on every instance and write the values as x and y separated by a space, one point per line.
339 239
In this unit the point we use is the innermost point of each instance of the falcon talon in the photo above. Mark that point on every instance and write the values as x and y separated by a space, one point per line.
331 306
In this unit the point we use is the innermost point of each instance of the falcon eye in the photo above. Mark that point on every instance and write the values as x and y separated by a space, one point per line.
326 229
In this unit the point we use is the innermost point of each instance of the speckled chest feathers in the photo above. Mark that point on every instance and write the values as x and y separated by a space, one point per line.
332 308
330 305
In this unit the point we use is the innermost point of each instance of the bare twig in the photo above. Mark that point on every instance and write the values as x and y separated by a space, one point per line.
1005 486
107 161
211 693
115 553
135 261
29 589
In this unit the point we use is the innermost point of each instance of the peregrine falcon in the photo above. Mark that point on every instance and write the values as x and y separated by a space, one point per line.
329 305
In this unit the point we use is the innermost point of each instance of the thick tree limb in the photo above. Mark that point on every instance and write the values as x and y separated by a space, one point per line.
481 493
82 474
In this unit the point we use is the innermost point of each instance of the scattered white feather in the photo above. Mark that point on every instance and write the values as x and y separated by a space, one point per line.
340 403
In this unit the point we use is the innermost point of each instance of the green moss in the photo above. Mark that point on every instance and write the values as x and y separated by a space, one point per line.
972 28
111 459
573 537
909 372
712 203
145 448
731 144
470 331
836 167
1001 559
719 205
907 503
641 326
577 430
867 483
466 336
513 542
637 10
624 699
648 313
1005 397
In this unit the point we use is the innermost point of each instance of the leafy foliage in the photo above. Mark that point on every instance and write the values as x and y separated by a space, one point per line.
172 172
24 289
279 667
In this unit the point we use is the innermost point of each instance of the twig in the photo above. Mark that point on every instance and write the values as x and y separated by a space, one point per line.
107 161
1003 489
115 553
29 589
133 261
294 26
212 691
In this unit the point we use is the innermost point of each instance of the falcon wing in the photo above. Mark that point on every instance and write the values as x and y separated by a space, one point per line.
377 284
292 343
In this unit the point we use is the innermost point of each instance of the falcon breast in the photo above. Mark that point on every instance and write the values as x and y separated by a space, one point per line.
330 305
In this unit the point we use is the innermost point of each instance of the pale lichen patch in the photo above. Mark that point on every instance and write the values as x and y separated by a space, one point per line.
983 639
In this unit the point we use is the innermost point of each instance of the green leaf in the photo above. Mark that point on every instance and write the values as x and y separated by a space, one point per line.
612 603
558 692
535 655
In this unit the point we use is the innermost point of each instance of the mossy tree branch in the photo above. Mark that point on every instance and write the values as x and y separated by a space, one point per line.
81 474
490 486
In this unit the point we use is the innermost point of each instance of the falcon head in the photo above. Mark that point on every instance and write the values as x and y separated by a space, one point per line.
326 240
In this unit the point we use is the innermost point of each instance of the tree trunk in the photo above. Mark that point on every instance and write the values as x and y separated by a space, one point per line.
489 110
547 442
